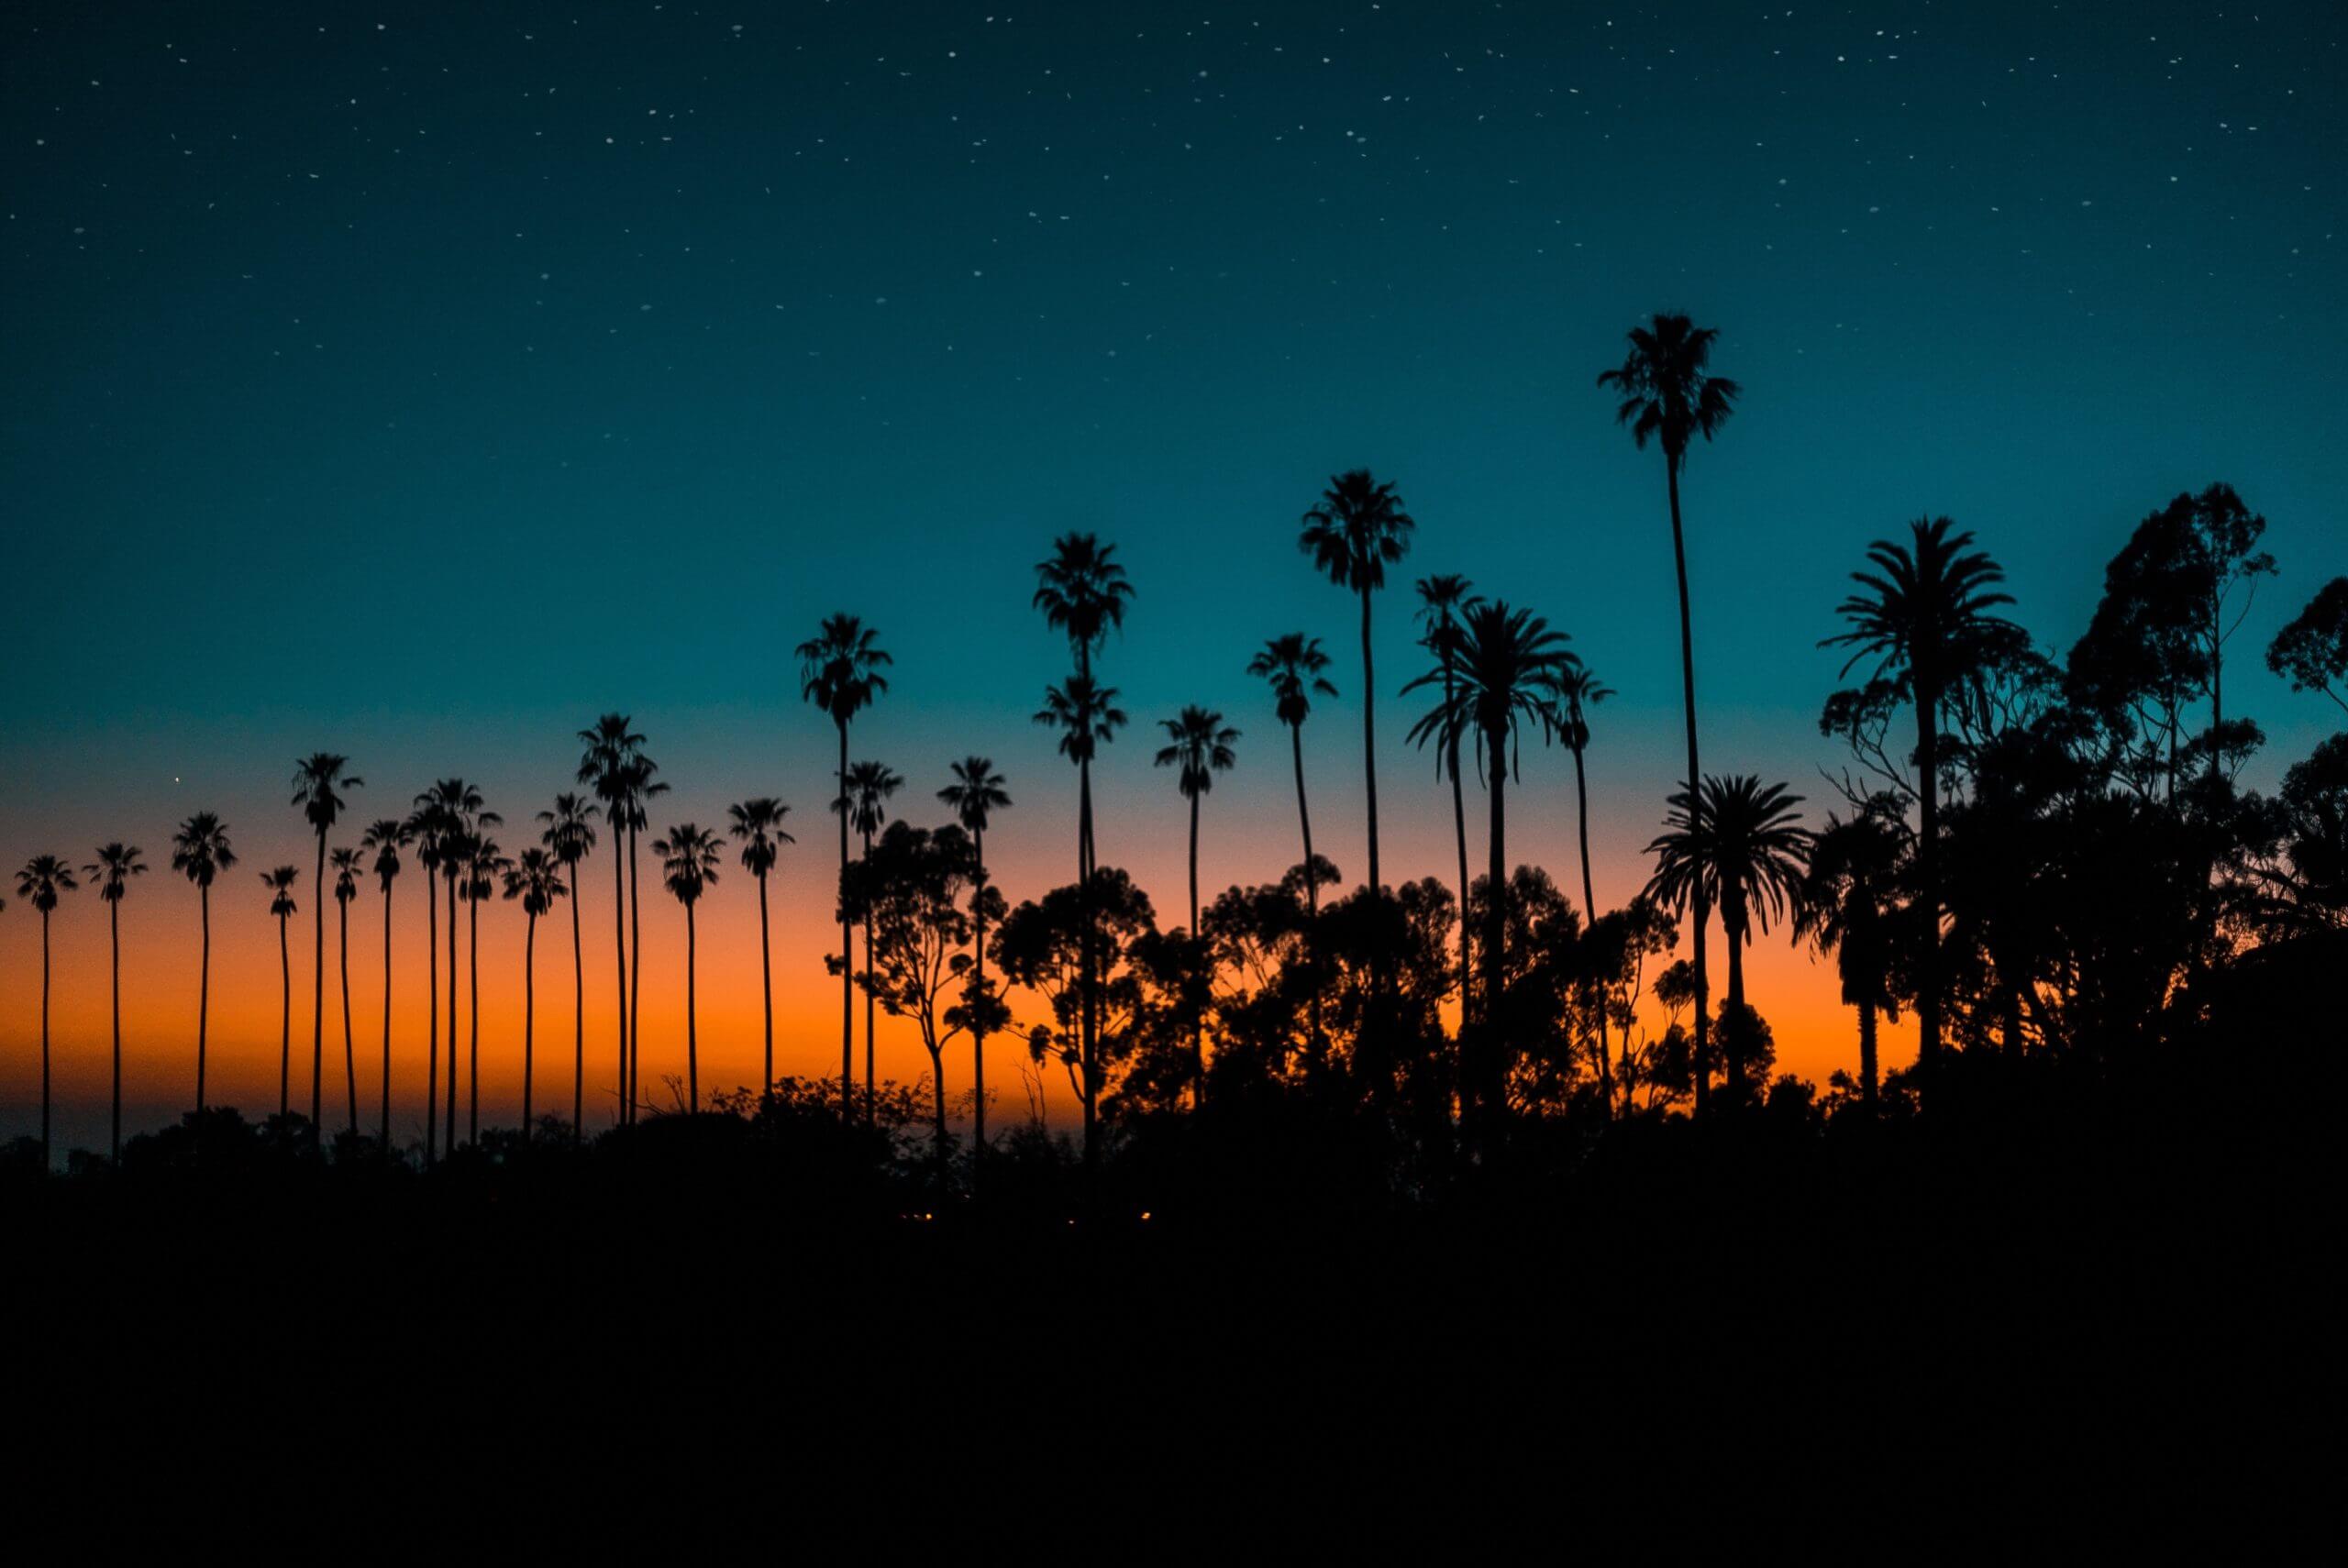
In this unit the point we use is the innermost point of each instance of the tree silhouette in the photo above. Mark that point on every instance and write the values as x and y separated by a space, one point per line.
43 880
759 825
455 812
484 865
1087 716
608 764
2312 651
427 825
1354 533
1924 618
689 858
200 852
1846 905
1577 691
346 887
1292 665
1670 396
280 883
536 878
111 873
1745 847
976 794
839 673
1442 600
318 781
909 887
865 807
387 836
568 836
1201 748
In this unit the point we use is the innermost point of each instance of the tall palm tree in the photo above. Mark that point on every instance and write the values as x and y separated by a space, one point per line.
281 883
116 865
1086 715
1670 395
1201 748
1357 529
483 867
43 880
1845 907
1503 675
1923 617
1748 846
319 782
1292 664
537 879
455 809
613 745
1577 691
346 887
387 836
200 852
1082 590
976 794
865 807
638 791
840 672
759 825
1442 600
689 857
428 824
569 836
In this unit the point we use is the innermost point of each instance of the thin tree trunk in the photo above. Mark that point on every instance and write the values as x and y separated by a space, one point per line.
847 953
1491 1084
449 1137
529 1018
1304 819
1370 740
318 998
432 1020
1458 829
386 1123
1589 910
1198 1022
1088 949
937 1113
472 1016
1866 1056
285 1026
978 1034
692 1019
44 1040
349 1052
1732 1023
766 985
113 935
1928 987
578 1019
1700 898
204 995
871 1108
635 971
619 945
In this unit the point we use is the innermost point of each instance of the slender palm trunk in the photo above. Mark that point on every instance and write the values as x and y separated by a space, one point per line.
1086 1043
349 1052
385 1125
937 1113
472 1018
44 1040
577 1018
978 1034
1701 899
113 935
1370 740
871 1108
530 1019
432 1020
847 953
1866 1056
1304 819
318 997
635 970
284 1022
1459 832
1928 978
1198 1022
449 1137
202 994
1589 912
693 1016
619 943
1733 1031
1490 1076
766 987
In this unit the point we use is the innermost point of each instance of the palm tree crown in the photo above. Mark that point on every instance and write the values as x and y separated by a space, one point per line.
569 830
1356 530
345 874
200 849
759 825
1082 592
869 785
1925 614
690 859
536 878
1292 664
1085 712
281 883
1667 394
976 794
839 668
116 865
387 836
1200 749
1747 847
1504 672
1575 692
43 878
318 783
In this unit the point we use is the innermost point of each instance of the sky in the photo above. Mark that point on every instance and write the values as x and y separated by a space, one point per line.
421 381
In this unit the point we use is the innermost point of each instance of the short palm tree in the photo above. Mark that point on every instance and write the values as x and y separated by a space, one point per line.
1292 664
346 887
568 836
1670 396
281 883
865 807
111 873
690 857
40 883
1200 747
839 673
386 836
485 867
1922 616
759 825
1442 600
1846 907
536 878
607 766
1746 846
200 852
318 781
1356 531
976 794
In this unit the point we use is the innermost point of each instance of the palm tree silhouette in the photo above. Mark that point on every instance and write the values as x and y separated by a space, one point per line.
116 865
1200 749
1356 532
1087 716
1845 907
1442 600
569 836
1577 691
976 794
865 807
1082 592
427 825
840 672
200 852
484 867
1746 845
689 857
455 811
387 836
537 879
346 887
1669 394
281 883
318 780
608 763
759 825
1292 664
1923 617
1503 673
43 880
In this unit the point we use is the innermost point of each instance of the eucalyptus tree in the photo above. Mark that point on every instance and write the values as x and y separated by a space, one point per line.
319 780
865 807
977 793
1354 533
200 852
346 887
568 836
2312 651
281 883
689 859
43 880
1442 600
387 836
839 674
111 873
1292 664
536 878
910 887
758 822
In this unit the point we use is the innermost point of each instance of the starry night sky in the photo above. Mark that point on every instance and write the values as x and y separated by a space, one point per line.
422 382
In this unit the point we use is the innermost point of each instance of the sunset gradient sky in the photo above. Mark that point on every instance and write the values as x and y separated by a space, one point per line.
421 383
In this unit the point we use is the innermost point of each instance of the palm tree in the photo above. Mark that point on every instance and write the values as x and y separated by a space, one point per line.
346 887
1292 664
200 852
759 825
865 806
1577 691
1200 749
1504 670
1087 716
318 780
484 866
689 857
1082 592
116 865
43 880
570 834
281 883
840 672
1924 619
455 810
386 836
428 824
1356 531
1845 907
536 881
1745 845
1669 393
976 794
1442 600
